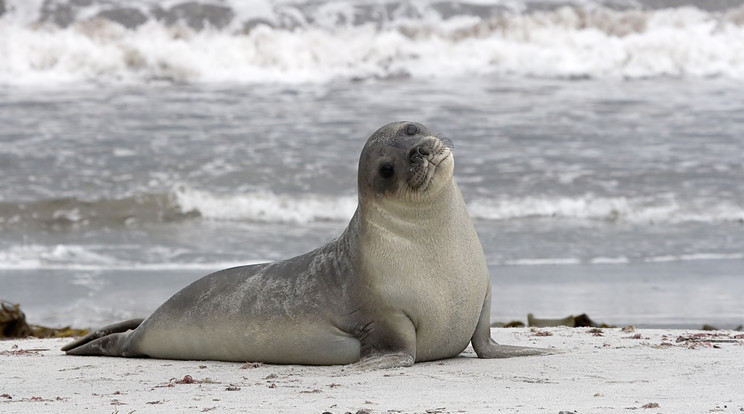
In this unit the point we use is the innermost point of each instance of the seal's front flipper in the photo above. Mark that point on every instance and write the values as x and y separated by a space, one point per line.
486 347
389 342
107 341
385 361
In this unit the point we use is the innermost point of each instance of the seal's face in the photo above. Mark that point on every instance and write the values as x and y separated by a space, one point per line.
404 159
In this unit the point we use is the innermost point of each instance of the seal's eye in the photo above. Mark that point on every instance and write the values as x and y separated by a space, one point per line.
411 129
387 170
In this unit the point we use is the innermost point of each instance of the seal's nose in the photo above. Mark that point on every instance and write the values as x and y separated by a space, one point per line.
418 153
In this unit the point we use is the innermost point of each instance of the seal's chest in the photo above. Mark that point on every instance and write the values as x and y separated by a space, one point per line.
430 268
440 288
446 310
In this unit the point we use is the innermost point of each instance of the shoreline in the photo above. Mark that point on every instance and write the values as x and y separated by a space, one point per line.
600 370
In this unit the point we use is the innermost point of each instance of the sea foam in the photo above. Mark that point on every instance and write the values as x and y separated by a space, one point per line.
328 44
660 209
265 206
87 259
93 258
268 207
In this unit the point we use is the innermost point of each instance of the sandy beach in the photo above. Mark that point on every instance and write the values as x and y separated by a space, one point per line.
598 153
600 370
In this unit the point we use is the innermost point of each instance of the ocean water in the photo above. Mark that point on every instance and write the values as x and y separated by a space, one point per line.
599 145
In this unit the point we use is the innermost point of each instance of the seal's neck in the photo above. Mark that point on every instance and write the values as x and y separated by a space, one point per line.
409 218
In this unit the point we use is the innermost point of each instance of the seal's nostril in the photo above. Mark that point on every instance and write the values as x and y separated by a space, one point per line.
423 151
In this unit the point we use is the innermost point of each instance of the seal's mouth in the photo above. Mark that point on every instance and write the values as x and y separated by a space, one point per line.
424 159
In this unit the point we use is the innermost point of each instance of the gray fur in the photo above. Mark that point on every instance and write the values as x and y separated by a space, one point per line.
406 281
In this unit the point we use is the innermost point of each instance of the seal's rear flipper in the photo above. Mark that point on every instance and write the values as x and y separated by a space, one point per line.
486 347
495 350
106 341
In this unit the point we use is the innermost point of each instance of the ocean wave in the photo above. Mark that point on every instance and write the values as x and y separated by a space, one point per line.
39 256
541 262
103 258
284 43
622 260
696 257
661 209
98 258
181 203
185 203
73 212
307 208
265 206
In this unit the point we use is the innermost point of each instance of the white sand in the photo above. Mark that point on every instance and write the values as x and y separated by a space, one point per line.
617 372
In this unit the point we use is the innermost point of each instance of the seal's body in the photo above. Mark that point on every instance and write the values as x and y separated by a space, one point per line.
406 281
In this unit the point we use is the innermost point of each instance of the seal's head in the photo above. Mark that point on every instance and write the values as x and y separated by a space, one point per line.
406 160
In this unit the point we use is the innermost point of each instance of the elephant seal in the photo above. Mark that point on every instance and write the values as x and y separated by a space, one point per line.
406 281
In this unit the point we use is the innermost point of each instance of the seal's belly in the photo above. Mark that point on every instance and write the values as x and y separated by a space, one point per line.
278 342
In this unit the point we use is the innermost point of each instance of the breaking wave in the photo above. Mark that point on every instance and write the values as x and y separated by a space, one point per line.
280 42
183 203
90 258
266 207
97 258
662 209
275 208
62 212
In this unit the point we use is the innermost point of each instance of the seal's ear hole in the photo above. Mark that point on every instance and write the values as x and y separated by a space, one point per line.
411 129
387 170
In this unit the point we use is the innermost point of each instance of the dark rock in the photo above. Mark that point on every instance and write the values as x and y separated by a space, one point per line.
13 321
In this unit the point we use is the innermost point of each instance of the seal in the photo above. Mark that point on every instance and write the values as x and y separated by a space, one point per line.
406 281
